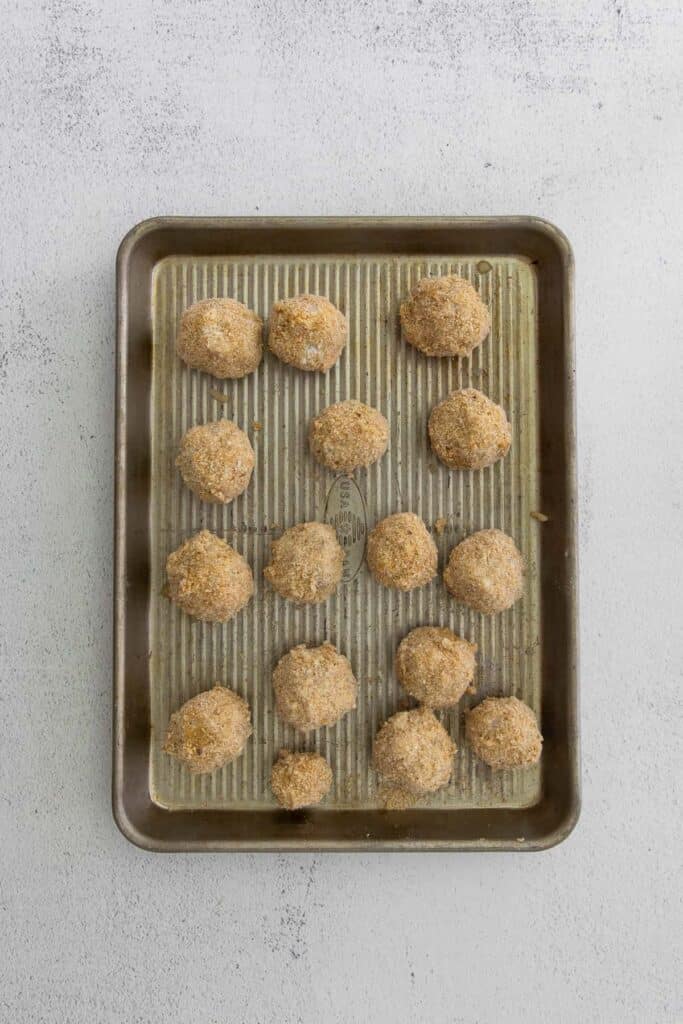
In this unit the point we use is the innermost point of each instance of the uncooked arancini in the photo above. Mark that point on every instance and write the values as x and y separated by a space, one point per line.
314 686
486 572
306 563
504 733
413 751
300 780
221 337
469 431
308 332
216 461
401 552
208 579
209 730
445 316
435 666
348 436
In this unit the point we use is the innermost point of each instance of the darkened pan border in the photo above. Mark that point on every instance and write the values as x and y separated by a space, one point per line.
541 826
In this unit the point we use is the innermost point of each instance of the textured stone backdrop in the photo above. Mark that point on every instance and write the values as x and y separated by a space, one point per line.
115 111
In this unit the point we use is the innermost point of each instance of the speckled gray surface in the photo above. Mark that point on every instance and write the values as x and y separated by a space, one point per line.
112 112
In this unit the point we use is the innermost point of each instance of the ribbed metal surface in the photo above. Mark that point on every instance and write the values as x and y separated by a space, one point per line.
364 620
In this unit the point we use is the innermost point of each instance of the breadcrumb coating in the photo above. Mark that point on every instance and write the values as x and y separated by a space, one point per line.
208 579
216 461
503 732
348 435
445 316
221 337
209 730
314 686
307 332
300 780
306 563
486 572
435 666
413 751
469 431
401 552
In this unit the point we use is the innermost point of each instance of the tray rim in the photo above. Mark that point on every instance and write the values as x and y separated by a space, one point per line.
122 812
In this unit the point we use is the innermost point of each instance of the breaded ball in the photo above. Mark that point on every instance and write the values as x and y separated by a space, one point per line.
503 732
348 435
445 316
314 686
210 730
469 431
221 337
435 666
308 332
486 572
208 579
401 553
216 461
306 563
412 750
300 780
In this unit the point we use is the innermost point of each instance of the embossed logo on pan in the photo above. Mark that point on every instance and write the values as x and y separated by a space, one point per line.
345 511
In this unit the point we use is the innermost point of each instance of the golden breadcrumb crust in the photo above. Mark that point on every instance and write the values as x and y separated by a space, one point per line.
314 686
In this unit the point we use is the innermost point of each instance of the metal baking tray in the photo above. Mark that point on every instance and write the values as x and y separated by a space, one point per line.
523 269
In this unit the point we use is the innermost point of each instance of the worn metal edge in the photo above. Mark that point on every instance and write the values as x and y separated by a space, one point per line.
118 809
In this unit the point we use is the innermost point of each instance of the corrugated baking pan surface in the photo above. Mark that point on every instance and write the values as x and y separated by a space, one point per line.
522 269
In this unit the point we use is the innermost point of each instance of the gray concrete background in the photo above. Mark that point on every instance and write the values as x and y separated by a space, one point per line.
113 112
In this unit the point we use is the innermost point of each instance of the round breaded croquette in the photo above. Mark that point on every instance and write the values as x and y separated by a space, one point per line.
307 332
300 780
216 461
208 579
486 572
401 553
221 337
306 563
445 316
503 732
469 431
435 666
412 750
209 730
314 686
348 435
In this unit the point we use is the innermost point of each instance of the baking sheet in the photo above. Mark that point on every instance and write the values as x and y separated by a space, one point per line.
364 620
